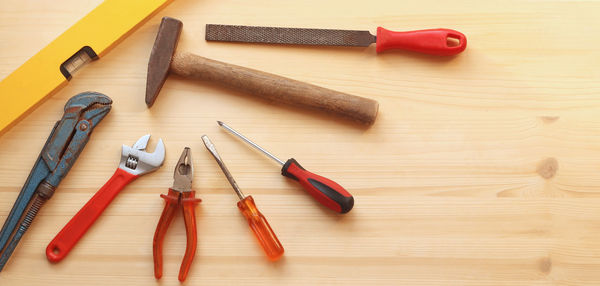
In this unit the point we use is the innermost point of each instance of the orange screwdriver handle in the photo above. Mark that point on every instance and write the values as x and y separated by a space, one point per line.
189 203
325 191
261 228
172 202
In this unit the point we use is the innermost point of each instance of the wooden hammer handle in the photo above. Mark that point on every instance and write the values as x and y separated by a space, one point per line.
276 88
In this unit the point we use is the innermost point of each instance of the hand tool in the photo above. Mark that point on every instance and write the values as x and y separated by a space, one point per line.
82 114
89 39
135 162
181 196
325 191
257 221
441 42
163 60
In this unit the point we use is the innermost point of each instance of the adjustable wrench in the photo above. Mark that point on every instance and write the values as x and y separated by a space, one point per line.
135 162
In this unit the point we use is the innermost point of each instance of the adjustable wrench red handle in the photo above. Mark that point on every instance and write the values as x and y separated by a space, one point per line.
66 239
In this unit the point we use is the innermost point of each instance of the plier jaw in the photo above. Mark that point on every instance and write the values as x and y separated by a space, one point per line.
184 171
180 196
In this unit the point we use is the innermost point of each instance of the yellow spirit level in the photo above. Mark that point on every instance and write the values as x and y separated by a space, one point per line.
51 68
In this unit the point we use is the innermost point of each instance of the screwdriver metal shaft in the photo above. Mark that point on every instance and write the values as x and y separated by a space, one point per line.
211 148
250 142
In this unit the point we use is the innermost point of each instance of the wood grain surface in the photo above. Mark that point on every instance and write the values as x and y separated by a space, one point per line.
482 169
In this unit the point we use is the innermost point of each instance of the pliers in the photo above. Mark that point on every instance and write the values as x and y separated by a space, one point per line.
181 196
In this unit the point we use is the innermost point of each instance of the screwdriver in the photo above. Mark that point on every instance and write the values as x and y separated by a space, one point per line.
325 191
257 221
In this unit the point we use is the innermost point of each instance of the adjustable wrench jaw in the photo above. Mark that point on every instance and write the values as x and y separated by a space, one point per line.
136 161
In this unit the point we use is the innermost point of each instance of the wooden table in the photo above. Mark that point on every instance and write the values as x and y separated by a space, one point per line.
481 169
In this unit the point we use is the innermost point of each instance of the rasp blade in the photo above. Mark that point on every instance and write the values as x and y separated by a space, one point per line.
295 36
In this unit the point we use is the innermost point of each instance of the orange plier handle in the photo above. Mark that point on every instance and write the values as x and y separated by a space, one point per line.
187 201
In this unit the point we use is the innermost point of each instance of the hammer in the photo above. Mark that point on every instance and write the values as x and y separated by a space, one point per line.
163 60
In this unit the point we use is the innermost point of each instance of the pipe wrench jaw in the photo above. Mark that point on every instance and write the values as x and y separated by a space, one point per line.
184 172
83 112
86 100
88 106
136 161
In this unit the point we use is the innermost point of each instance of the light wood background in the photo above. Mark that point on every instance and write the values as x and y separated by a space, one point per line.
482 169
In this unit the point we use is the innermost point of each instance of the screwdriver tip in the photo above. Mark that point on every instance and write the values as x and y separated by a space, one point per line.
206 140
220 123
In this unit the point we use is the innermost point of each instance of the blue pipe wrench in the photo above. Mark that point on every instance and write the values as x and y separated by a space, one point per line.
83 112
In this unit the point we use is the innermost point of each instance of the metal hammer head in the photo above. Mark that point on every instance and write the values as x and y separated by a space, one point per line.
161 56
135 160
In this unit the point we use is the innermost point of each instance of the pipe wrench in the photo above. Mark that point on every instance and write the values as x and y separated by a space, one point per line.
82 114
135 162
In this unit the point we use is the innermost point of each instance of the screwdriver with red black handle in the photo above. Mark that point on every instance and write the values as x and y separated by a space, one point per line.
325 191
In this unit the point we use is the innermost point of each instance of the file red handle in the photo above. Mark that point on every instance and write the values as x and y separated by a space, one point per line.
66 239
325 191
441 42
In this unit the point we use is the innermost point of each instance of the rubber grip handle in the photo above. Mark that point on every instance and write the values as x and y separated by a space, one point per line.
325 191
276 88
189 203
68 237
261 228
168 213
440 42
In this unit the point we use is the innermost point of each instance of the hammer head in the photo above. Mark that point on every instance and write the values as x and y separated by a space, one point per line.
161 57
